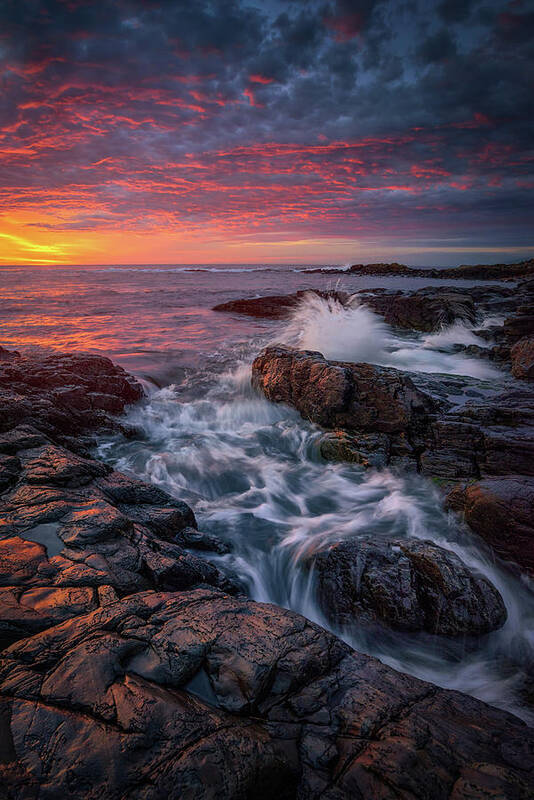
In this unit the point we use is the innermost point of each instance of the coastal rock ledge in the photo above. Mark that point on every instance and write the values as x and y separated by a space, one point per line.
131 667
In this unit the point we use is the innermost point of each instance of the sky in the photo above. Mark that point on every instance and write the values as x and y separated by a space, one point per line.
316 131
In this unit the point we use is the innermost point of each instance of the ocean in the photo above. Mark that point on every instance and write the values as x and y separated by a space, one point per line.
251 470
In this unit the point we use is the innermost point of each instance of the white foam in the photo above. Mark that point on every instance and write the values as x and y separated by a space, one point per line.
352 332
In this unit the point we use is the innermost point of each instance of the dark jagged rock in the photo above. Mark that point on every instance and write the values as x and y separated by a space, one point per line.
70 527
377 418
231 699
333 394
483 438
378 412
522 357
406 585
63 395
425 310
195 540
393 269
501 511
521 269
274 306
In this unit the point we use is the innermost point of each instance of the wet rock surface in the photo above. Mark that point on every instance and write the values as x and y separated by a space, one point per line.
425 310
128 669
73 531
274 306
353 397
522 358
225 698
64 395
501 511
407 585
379 418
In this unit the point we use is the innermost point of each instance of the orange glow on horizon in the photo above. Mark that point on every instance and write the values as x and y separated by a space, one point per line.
37 246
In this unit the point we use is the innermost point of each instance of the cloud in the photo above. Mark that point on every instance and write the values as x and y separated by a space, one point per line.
326 116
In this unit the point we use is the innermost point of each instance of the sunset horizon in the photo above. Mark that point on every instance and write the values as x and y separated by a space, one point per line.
316 132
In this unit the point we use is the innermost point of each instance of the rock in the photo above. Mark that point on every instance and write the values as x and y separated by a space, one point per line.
501 511
197 540
369 450
407 585
521 269
275 306
56 466
522 357
425 310
336 394
128 670
72 524
25 612
231 699
380 418
493 436
10 468
63 394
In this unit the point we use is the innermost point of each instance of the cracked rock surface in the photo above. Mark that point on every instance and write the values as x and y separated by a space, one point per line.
197 694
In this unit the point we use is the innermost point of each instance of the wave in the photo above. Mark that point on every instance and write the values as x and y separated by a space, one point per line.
449 336
326 268
352 332
184 269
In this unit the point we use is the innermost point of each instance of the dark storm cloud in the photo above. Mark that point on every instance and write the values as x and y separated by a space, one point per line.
438 47
173 110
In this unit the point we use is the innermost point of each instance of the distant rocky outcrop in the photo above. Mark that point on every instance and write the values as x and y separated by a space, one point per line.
520 269
274 306
426 309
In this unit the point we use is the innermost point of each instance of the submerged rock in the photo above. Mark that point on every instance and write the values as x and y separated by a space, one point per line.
231 699
406 585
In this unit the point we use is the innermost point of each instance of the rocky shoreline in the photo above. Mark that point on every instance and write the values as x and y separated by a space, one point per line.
500 272
131 666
